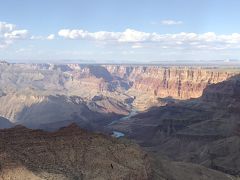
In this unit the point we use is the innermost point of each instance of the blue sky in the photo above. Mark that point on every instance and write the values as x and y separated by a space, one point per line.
115 31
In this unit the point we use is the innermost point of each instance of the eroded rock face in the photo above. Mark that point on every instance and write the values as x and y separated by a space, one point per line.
69 153
89 80
204 131
176 82
226 93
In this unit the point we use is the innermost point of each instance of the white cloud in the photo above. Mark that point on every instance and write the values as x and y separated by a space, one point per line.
171 22
51 37
209 40
37 37
130 35
81 34
9 33
16 34
5 27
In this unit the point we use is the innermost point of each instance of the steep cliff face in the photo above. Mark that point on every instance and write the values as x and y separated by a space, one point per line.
151 82
90 80
225 93
176 82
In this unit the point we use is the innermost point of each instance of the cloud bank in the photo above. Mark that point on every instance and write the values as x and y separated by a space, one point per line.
9 33
209 40
129 41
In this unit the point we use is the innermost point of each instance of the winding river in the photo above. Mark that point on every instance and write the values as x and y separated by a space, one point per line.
119 134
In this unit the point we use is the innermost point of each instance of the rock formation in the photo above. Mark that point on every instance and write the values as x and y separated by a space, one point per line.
69 153
203 131
72 153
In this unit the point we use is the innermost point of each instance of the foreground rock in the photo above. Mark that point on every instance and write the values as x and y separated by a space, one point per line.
170 170
69 153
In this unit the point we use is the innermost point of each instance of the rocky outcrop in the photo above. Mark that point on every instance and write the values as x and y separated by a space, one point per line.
226 93
70 153
169 170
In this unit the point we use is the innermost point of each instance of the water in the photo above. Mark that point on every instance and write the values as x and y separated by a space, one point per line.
131 114
118 134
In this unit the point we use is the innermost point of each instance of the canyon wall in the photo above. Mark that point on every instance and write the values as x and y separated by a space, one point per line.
89 80
121 87
175 82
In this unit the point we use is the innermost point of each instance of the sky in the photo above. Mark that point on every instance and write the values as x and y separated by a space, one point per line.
119 30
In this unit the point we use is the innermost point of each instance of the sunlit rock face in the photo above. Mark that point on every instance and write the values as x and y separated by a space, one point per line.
176 82
29 88
148 83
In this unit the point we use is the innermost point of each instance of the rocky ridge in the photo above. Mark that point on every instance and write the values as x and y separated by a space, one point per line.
69 153
72 153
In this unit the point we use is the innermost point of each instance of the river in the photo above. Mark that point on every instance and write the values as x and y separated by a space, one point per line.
119 134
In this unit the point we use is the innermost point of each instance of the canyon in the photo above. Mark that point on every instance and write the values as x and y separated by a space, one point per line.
204 130
106 89
185 120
